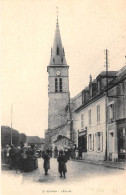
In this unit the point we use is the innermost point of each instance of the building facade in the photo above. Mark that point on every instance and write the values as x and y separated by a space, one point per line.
58 92
117 117
99 117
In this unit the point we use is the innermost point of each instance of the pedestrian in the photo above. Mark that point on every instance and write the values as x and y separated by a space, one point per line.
80 153
55 152
62 159
30 165
46 164
18 159
43 153
3 155
23 159
12 153
69 153
6 153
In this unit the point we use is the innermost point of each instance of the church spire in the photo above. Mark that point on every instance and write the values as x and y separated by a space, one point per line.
57 52
57 22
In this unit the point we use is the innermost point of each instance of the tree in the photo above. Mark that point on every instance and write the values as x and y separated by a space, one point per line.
17 138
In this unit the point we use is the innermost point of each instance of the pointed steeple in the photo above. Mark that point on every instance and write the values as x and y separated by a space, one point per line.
57 52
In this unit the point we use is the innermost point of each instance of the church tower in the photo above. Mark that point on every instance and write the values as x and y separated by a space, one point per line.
58 84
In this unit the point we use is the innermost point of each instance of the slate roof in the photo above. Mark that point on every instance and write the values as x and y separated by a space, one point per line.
118 77
34 140
62 137
110 73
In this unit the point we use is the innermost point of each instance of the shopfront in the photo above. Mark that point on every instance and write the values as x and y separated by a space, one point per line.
121 131
82 140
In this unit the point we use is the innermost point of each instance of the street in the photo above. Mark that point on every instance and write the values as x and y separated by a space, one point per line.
91 178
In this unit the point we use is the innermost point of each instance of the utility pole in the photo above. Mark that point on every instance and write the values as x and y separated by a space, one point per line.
70 118
106 151
11 122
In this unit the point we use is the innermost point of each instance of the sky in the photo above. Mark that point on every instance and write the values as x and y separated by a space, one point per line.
87 28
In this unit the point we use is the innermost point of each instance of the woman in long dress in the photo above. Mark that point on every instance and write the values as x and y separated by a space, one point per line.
62 159
46 164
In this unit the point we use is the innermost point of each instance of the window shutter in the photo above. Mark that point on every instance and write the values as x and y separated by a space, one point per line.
114 111
88 143
95 142
108 112
99 114
92 142
101 141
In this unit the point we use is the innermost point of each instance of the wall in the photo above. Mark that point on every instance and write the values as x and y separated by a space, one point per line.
75 103
57 114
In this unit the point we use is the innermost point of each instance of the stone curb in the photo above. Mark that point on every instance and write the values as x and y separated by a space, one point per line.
101 164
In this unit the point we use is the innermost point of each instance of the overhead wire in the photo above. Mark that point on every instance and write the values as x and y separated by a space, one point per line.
97 58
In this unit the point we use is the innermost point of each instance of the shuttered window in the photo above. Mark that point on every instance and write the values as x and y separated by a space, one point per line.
99 141
98 113
82 121
89 116
91 142
111 113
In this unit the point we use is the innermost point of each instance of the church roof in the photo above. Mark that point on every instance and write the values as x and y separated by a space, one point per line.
57 52
60 137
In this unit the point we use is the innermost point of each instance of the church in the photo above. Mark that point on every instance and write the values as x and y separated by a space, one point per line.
59 129
93 121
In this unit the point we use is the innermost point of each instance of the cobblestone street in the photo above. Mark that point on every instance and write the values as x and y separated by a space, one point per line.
87 176
77 171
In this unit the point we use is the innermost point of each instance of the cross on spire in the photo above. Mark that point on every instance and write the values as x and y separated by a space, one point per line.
57 51
57 23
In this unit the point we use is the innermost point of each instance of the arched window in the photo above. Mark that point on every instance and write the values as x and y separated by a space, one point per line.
56 85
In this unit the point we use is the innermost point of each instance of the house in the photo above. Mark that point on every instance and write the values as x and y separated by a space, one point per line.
99 128
116 134
36 141
62 142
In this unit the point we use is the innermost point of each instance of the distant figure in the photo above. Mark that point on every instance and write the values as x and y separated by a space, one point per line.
12 153
5 154
30 159
72 153
43 153
62 159
18 159
55 152
46 164
80 153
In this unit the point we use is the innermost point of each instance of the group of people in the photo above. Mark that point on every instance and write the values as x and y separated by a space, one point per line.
62 159
24 159
69 152
20 158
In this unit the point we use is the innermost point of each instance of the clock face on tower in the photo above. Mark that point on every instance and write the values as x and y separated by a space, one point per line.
58 73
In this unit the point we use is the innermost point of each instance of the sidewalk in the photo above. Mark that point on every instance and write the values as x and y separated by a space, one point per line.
109 164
